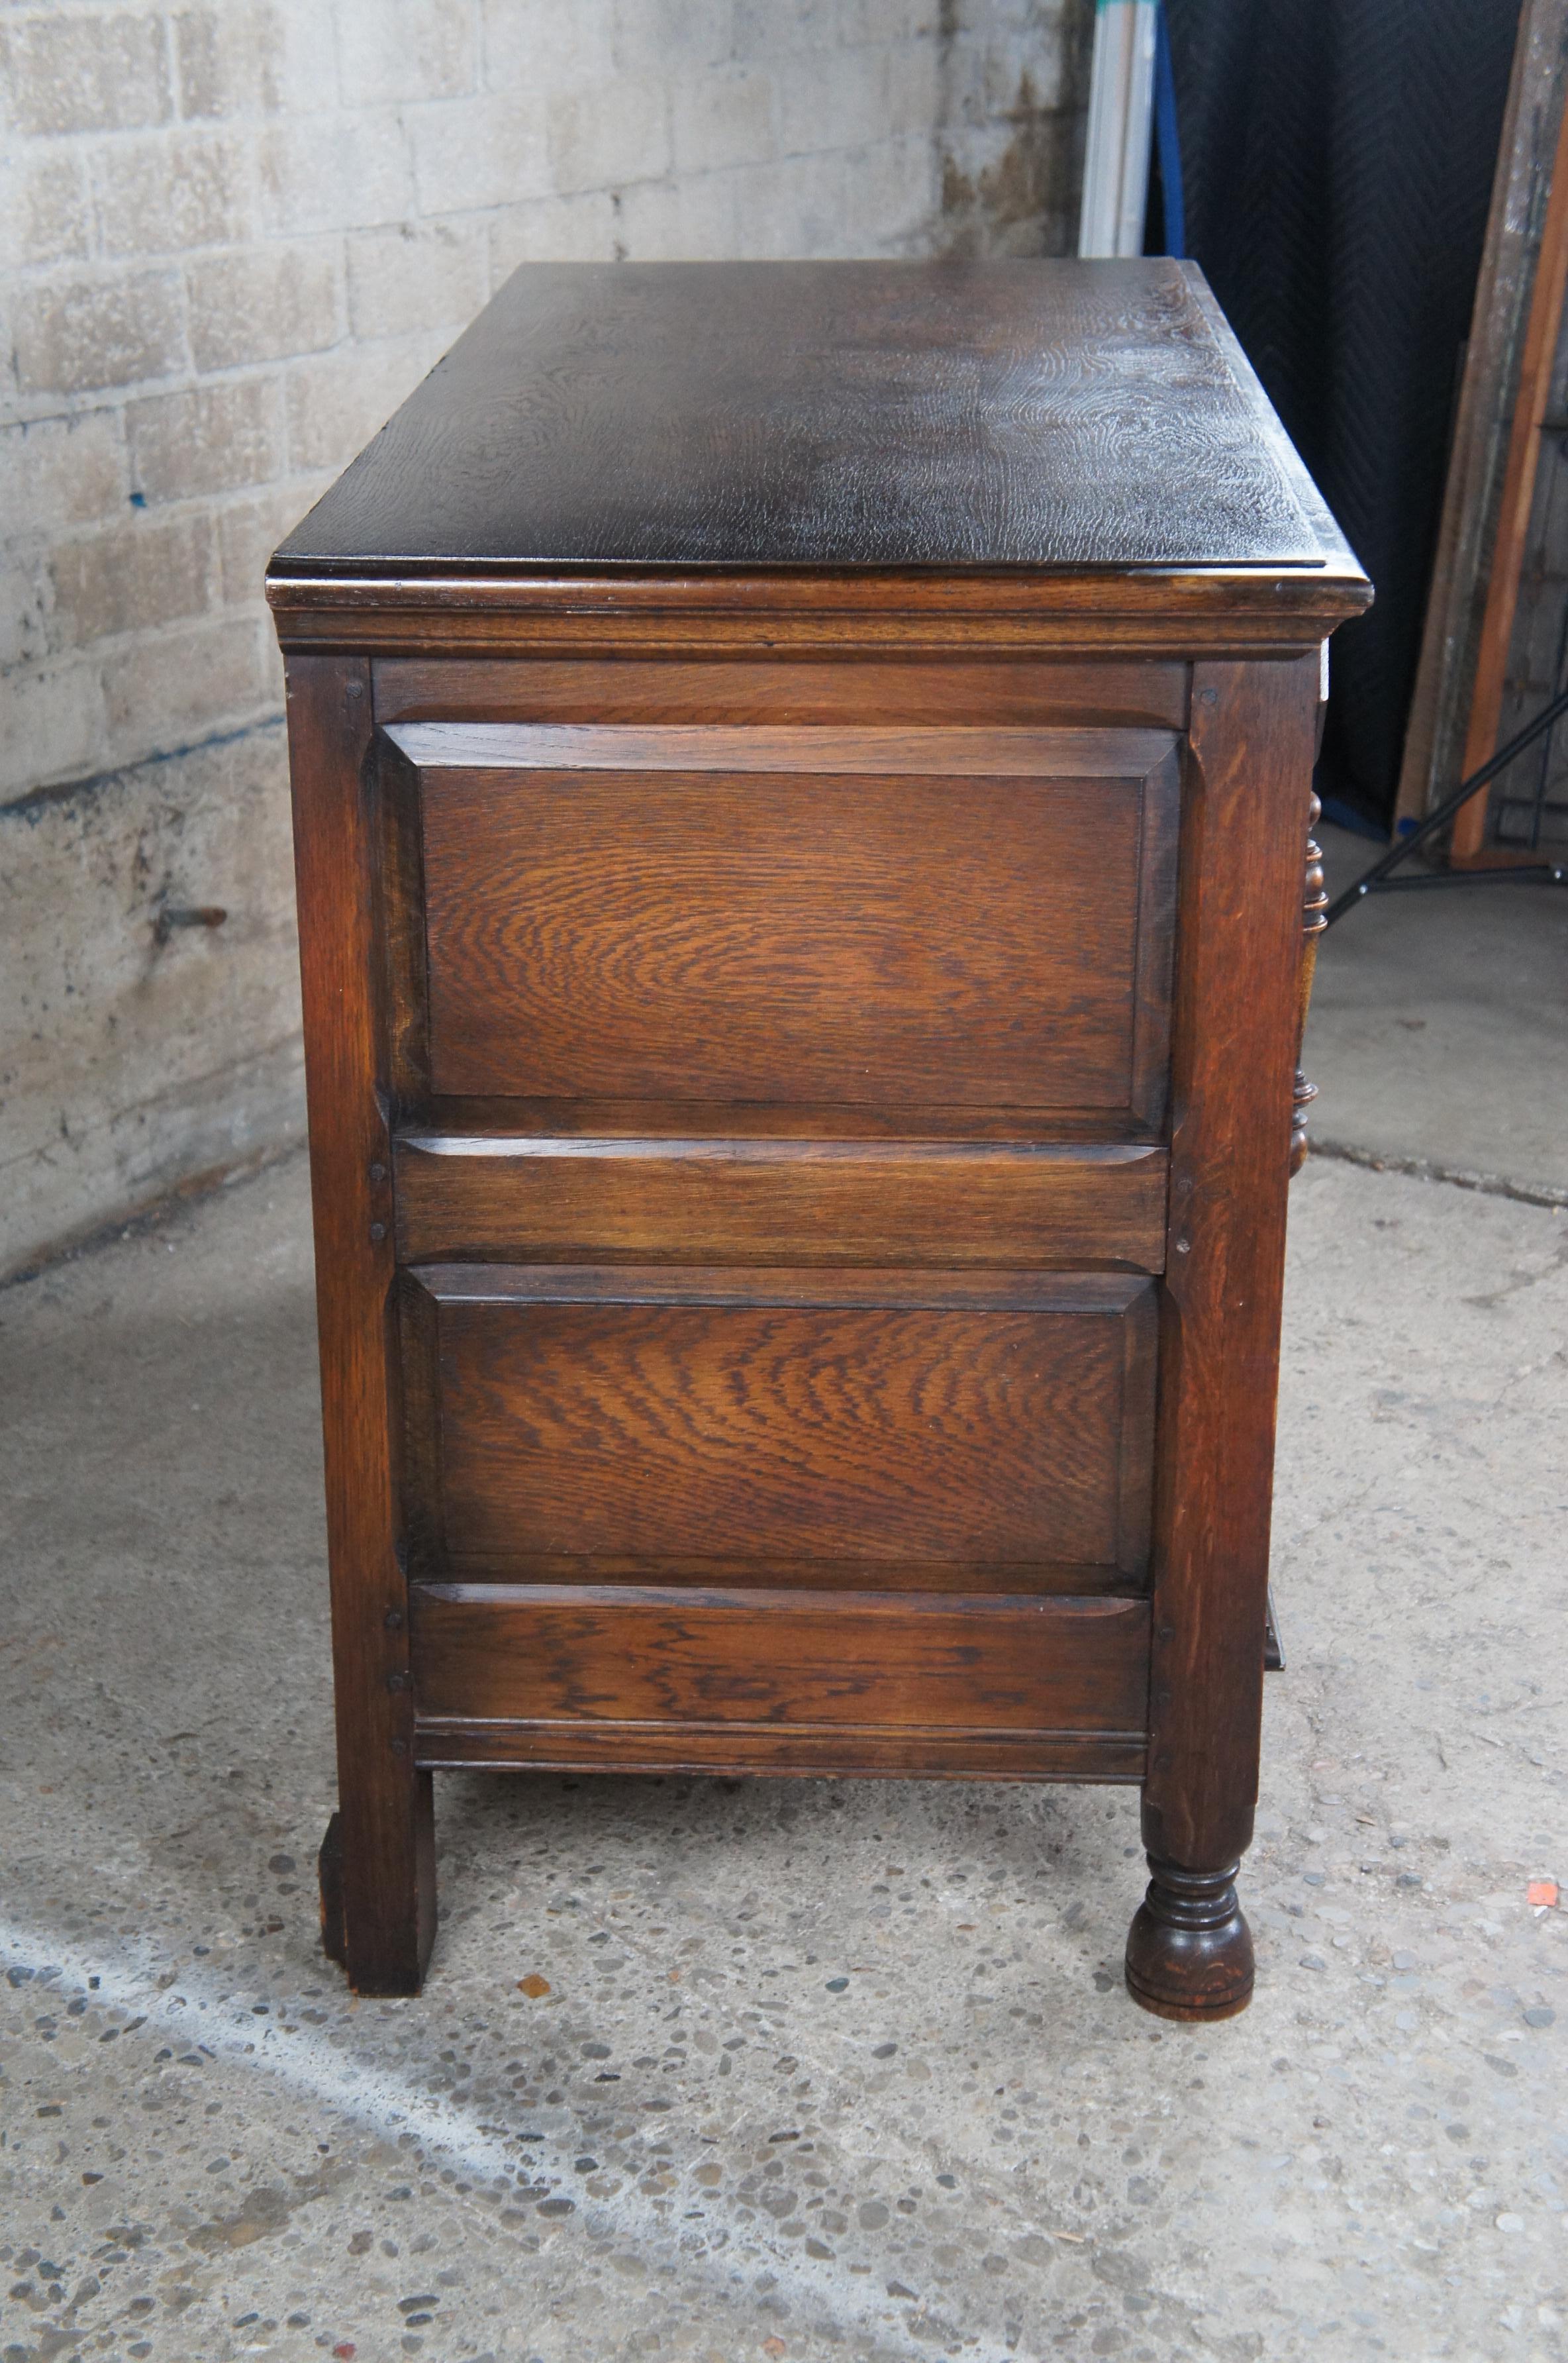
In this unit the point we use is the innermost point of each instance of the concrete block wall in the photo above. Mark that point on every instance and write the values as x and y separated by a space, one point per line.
238 232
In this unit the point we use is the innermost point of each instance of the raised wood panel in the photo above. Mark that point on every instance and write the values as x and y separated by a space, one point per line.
870 1417
1137 692
749 1201
784 1673
962 918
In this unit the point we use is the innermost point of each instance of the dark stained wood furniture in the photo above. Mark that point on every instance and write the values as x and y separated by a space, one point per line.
801 774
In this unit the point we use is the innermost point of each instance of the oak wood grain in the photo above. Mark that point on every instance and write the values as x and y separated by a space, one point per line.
800 1286
976 919
870 1417
1142 692
1033 1578
521 1118
1234 1051
751 1751
1226 612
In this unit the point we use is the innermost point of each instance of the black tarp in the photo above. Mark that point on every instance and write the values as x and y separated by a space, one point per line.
1338 158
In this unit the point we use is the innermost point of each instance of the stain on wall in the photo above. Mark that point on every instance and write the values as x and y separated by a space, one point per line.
1010 128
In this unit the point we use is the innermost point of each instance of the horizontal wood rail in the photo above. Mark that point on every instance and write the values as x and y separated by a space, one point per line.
597 1675
1064 692
1067 1207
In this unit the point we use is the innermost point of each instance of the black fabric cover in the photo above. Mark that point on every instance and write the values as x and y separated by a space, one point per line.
1338 158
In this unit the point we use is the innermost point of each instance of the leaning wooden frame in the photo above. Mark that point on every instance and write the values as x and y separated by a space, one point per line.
1458 702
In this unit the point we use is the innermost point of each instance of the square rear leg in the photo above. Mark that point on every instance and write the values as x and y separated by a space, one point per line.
380 1928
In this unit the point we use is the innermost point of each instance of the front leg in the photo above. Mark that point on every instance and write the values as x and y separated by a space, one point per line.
1235 1031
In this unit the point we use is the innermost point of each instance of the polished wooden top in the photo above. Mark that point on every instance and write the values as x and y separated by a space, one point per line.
1064 416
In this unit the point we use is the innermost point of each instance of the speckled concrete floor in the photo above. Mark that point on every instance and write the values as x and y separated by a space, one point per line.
1439 1032
718 2070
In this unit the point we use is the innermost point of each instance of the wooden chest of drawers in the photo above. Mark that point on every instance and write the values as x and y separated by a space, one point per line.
801 779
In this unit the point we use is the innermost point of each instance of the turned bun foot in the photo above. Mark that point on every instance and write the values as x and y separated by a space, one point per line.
1189 1951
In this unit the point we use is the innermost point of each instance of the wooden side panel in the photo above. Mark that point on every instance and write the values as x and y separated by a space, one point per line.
994 935
1234 1057
1135 693
781 1674
388 1875
738 1201
866 1418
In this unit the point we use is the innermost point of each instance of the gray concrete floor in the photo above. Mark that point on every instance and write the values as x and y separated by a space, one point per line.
822 2070
1438 1035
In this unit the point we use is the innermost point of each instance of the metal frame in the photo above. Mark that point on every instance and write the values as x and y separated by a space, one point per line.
1379 880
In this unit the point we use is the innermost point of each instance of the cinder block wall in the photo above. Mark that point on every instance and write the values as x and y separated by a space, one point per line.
238 233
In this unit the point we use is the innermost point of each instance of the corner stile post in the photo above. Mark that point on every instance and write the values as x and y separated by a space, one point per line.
1234 1047
378 1863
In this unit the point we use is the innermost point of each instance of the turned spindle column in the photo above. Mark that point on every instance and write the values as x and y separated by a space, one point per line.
1314 919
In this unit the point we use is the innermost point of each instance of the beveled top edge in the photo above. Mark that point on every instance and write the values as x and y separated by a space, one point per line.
1181 617
1336 586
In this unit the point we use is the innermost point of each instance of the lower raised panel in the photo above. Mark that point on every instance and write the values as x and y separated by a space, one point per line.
781 1681
651 1419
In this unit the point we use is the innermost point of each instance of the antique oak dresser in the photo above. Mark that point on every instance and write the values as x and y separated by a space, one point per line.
803 785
